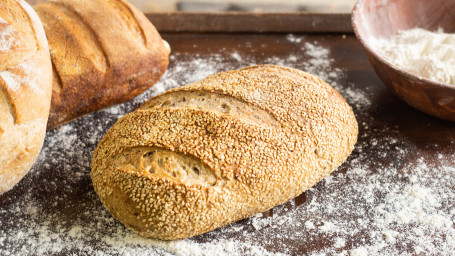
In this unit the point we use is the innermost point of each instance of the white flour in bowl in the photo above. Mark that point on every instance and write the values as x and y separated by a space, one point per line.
427 54
369 206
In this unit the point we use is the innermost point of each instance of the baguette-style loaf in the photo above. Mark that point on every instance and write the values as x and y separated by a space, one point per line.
222 149
103 52
25 90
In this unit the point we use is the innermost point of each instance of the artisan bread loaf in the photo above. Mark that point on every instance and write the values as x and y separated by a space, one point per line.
103 52
222 149
25 90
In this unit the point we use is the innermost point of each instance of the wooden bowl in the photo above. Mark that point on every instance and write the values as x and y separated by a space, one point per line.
374 19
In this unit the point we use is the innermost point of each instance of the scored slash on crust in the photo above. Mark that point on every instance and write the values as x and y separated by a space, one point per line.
258 166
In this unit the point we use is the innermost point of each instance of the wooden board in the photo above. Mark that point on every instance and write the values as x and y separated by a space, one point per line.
252 22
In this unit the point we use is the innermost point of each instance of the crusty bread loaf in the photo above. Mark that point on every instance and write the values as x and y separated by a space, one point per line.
25 90
103 52
222 149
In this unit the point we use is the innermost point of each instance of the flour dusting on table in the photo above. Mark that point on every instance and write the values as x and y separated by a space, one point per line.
380 206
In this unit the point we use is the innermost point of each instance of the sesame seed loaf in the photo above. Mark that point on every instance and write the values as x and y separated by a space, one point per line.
222 149
104 52
25 90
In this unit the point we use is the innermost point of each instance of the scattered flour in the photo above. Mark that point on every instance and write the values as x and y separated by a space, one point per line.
339 242
421 52
359 252
309 225
294 39
236 56
370 206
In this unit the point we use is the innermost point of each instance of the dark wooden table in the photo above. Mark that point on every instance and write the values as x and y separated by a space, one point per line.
55 211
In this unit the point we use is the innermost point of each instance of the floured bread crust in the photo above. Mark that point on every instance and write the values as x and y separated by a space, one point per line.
25 90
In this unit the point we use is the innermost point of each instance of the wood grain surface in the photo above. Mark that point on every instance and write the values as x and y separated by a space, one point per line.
251 22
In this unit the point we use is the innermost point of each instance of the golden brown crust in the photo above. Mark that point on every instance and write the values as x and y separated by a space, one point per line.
25 90
104 52
305 131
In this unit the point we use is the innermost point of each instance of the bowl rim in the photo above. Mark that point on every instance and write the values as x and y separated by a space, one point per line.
384 61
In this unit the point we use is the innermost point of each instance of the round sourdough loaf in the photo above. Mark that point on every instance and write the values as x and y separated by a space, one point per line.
25 90
222 149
